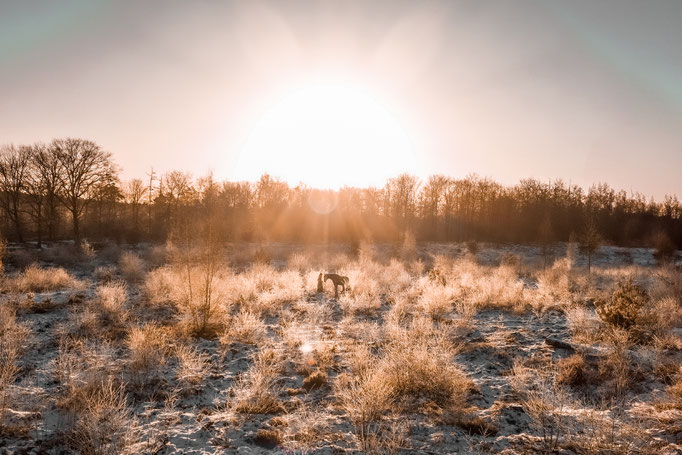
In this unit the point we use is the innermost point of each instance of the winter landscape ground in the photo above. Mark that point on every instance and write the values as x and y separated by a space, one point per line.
435 348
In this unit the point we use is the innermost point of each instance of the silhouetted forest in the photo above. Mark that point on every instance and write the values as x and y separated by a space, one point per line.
70 189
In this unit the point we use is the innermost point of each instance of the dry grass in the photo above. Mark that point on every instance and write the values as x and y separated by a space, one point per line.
132 267
257 390
105 273
193 365
13 336
244 327
37 279
159 284
148 347
105 423
410 344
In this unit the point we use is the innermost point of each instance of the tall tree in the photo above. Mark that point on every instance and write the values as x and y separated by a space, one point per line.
14 169
46 168
133 192
82 165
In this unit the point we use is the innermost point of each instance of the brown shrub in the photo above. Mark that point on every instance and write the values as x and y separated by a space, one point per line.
257 390
148 347
105 424
623 309
37 279
315 380
132 267
573 371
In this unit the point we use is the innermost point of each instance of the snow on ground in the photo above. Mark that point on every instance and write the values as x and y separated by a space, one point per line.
194 418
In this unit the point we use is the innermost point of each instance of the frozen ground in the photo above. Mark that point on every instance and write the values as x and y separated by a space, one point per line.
176 415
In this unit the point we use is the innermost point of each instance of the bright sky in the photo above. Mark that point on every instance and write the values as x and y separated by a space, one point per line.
350 92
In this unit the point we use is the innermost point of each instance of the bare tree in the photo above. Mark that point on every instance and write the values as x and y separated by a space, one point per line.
36 192
591 240
46 170
134 191
14 169
83 165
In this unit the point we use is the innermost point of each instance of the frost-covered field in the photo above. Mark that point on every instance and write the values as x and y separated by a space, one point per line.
433 349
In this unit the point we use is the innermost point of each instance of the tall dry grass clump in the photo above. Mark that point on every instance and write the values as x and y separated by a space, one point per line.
192 366
544 400
37 279
257 390
13 335
105 424
366 400
132 267
148 346
159 284
423 367
103 316
244 327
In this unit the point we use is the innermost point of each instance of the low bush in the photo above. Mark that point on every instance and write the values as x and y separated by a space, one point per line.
624 306
37 279
132 267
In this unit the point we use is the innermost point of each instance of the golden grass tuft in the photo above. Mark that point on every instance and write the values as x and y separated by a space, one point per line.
37 279
244 327
132 267
257 390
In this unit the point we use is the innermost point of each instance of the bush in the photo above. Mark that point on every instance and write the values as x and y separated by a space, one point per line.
37 279
105 273
105 425
148 346
159 285
624 306
573 371
12 337
132 267
245 327
257 390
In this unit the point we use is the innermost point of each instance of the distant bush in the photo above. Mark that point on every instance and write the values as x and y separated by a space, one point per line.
132 267
159 284
624 306
37 279
104 273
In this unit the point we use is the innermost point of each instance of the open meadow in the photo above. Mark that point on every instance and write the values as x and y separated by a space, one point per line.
434 348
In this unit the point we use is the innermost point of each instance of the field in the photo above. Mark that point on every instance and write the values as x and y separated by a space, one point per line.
435 348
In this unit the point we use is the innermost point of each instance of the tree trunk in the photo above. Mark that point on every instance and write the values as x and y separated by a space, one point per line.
76 229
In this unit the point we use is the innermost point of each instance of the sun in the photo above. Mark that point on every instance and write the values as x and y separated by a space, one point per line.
327 135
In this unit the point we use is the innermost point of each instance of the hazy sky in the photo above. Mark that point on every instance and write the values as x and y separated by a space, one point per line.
582 90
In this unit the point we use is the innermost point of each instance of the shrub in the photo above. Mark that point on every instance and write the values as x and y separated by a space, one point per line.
105 273
37 279
315 380
192 365
132 267
244 327
12 337
159 285
365 399
624 306
664 247
257 390
112 298
105 425
148 347
573 371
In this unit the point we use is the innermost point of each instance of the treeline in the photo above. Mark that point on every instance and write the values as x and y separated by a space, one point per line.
70 189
